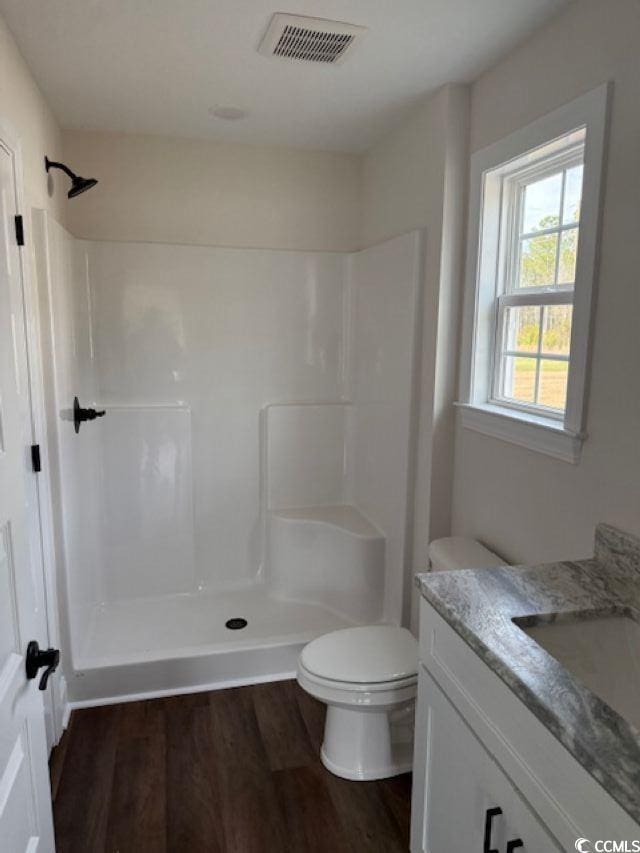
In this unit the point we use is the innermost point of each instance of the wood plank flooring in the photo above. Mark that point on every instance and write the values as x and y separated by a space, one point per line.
231 771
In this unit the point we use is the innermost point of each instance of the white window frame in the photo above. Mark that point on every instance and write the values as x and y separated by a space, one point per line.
514 182
558 435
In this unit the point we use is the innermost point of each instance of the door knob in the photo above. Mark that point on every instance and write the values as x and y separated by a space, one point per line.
515 844
37 658
80 415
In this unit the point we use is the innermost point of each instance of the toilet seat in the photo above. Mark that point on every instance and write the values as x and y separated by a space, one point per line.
369 655
379 695
361 687
373 666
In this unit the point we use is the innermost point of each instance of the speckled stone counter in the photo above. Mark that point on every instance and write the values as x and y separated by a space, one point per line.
480 605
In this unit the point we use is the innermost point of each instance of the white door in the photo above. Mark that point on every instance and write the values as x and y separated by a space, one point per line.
25 802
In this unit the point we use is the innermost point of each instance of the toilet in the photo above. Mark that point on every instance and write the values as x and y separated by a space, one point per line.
367 676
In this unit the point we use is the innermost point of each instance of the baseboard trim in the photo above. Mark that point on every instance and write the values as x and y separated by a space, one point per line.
62 709
178 691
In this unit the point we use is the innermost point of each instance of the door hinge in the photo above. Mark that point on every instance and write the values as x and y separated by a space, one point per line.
35 458
19 230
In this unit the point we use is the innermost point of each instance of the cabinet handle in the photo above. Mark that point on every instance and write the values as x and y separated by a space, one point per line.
514 844
488 821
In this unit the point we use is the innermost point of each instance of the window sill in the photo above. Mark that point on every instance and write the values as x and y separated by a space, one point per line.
543 435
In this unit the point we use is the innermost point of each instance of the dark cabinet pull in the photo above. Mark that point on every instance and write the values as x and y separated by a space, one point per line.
514 844
488 825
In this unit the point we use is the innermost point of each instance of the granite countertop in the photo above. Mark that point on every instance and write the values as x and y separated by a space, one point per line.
480 606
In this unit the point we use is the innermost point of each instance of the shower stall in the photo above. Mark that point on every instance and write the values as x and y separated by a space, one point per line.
248 487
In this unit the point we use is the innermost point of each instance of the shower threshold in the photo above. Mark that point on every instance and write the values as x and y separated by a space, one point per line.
181 643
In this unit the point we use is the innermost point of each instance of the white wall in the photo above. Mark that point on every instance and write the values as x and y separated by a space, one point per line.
147 529
415 177
169 190
403 176
526 505
305 446
23 107
385 284
362 452
222 332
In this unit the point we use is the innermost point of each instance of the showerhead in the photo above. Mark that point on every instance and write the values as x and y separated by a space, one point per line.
78 184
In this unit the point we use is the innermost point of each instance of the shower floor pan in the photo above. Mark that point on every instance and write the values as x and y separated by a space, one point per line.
156 646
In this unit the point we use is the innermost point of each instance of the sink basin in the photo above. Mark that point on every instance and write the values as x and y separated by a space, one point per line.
603 652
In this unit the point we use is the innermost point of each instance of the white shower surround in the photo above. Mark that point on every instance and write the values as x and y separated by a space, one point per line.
186 347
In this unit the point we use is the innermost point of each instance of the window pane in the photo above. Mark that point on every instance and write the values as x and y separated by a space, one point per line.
552 390
572 194
519 379
542 204
522 330
568 255
556 329
538 261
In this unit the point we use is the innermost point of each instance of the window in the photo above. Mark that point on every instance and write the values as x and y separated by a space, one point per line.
535 203
534 306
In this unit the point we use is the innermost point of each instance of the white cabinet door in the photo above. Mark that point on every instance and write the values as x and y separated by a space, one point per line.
457 783
25 805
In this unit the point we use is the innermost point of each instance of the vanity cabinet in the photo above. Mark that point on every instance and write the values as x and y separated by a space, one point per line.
478 748
468 802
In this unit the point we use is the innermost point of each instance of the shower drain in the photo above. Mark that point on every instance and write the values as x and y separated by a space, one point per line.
236 623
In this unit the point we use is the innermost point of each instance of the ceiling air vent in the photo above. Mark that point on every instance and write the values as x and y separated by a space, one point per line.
311 39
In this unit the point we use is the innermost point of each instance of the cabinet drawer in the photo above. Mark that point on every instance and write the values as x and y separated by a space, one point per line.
457 782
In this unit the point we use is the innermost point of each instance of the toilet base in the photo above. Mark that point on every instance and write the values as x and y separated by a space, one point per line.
361 744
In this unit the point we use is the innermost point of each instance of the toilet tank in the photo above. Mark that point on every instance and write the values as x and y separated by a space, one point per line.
460 552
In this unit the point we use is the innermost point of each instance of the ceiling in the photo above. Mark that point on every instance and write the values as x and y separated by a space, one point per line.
161 66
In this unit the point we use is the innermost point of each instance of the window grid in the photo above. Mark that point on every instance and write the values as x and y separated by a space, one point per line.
541 296
554 229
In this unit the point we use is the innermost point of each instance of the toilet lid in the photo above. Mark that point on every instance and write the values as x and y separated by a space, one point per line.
374 653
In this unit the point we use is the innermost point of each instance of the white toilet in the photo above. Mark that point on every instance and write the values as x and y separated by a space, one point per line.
367 677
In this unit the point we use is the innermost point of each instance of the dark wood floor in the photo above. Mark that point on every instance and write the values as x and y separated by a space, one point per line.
232 771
